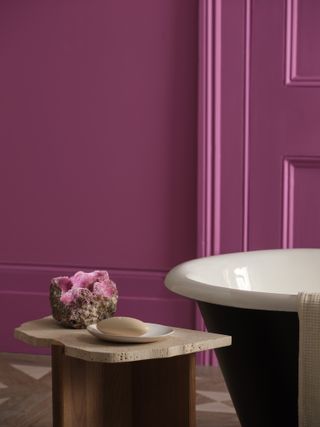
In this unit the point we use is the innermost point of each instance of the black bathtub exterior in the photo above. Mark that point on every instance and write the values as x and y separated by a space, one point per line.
261 366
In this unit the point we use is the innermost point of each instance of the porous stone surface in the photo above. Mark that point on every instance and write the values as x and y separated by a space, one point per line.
83 299
82 345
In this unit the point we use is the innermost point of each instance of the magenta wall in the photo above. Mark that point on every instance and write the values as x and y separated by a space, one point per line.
98 133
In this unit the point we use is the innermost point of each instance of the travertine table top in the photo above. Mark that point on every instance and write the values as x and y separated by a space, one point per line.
79 343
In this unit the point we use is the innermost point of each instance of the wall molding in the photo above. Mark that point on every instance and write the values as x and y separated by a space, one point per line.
210 132
205 129
288 194
292 78
217 135
210 137
246 160
205 148
290 165
73 268
37 278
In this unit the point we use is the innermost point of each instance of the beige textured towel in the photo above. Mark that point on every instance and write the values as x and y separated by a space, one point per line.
309 359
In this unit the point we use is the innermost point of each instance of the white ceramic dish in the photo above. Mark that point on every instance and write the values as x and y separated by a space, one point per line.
155 333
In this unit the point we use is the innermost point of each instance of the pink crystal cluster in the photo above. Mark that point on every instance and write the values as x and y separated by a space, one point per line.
83 299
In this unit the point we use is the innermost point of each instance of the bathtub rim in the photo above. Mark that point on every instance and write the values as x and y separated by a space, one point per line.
178 282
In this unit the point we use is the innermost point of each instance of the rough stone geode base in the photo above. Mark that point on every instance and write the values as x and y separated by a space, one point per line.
86 310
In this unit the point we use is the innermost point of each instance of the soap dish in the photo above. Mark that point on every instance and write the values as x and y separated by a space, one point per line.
155 333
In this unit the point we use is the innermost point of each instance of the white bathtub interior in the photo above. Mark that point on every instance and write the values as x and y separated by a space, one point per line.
267 279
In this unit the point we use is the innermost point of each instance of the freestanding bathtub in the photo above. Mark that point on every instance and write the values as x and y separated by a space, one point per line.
252 296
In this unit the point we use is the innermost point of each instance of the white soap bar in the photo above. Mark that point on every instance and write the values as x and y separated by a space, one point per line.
122 326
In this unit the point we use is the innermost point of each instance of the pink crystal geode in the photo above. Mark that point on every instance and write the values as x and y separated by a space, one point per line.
83 299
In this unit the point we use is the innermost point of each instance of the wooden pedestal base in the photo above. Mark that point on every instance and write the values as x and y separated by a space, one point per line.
147 393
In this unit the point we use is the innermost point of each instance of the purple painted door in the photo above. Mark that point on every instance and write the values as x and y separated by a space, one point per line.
98 112
265 135
284 127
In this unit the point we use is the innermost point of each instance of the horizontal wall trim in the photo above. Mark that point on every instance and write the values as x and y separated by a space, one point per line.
26 293
130 283
21 266
127 298
171 299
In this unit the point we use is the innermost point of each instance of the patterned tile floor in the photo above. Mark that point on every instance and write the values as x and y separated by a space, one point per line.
25 394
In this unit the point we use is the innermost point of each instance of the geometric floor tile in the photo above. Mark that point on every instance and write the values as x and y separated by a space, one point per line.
219 396
216 403
35 372
220 407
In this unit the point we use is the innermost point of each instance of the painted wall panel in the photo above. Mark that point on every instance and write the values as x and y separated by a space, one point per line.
230 121
16 308
98 132
305 16
98 122
302 202
283 122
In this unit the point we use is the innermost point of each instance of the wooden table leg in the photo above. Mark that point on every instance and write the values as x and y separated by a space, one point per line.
90 394
148 393
164 392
